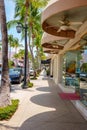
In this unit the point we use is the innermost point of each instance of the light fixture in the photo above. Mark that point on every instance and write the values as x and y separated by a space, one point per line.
19 28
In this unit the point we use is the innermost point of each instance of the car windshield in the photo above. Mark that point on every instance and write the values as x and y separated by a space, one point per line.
20 70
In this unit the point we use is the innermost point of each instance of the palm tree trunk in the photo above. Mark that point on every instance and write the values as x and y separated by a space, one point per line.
31 51
38 59
27 61
10 54
4 89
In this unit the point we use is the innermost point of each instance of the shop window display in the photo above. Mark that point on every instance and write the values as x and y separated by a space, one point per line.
75 72
83 74
70 79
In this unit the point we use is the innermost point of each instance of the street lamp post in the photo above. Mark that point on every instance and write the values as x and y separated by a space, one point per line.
19 29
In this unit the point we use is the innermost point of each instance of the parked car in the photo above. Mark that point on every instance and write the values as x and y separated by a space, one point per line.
20 70
15 76
31 72
83 76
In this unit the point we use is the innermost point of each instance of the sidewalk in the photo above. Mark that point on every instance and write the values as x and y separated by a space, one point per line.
41 108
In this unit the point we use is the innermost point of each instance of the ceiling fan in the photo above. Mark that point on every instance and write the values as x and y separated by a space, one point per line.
65 24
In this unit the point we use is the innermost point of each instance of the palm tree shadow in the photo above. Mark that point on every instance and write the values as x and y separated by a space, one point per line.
59 116
44 89
53 120
38 122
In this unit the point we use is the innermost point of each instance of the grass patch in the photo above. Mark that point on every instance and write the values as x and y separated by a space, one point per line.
7 112
30 85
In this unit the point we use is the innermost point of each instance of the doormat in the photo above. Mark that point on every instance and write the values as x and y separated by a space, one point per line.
69 96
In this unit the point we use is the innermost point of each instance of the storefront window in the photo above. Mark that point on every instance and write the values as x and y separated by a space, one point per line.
83 75
70 78
75 72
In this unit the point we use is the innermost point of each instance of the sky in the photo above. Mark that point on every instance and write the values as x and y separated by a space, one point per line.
9 8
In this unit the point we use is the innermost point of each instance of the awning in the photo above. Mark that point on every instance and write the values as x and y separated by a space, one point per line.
64 17
53 42
50 51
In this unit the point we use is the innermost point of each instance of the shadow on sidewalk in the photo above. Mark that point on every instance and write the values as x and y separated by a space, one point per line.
60 115
53 121
43 89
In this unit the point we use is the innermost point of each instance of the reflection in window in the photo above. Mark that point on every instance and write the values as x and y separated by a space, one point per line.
75 72
70 66
83 75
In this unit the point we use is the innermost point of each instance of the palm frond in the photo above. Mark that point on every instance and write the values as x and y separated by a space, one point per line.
12 23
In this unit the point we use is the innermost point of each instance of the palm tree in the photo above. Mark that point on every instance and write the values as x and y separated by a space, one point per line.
19 55
35 28
4 89
11 42
16 44
29 11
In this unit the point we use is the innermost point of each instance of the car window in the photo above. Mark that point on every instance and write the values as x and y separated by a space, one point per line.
13 71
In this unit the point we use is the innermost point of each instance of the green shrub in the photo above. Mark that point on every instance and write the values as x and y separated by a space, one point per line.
8 111
33 78
29 84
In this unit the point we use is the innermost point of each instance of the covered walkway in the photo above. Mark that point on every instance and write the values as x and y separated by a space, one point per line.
41 108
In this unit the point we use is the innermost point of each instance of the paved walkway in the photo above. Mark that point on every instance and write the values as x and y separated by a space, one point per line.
41 108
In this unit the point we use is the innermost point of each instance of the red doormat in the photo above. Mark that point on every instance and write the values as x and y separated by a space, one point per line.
69 96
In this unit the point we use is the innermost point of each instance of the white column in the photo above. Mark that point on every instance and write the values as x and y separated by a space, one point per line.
60 68
56 68
51 68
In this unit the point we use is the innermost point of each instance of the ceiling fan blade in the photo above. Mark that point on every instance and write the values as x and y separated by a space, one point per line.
59 30
72 28
75 23
60 21
52 26
64 27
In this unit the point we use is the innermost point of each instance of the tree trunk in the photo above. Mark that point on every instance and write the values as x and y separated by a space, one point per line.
10 53
32 58
31 51
4 89
38 58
